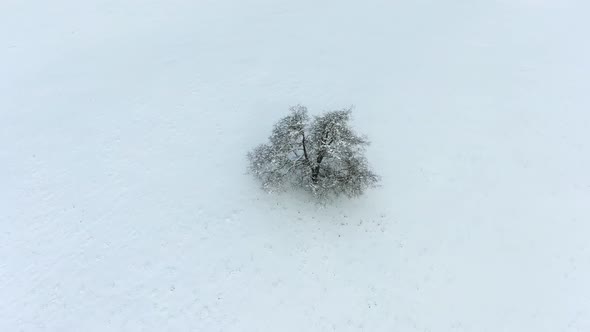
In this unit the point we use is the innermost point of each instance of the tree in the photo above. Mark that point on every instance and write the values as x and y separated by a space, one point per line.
324 156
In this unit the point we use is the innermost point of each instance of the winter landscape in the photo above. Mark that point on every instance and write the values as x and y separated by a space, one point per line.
126 202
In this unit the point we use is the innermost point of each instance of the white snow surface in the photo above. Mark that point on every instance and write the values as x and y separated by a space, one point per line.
125 203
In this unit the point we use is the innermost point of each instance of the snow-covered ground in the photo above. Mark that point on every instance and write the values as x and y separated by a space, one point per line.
124 203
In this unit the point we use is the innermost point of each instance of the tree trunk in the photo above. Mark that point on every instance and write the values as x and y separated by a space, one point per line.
315 172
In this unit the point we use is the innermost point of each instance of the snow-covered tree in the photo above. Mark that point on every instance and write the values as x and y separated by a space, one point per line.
324 156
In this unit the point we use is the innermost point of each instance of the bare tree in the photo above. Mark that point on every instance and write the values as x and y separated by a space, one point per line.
324 155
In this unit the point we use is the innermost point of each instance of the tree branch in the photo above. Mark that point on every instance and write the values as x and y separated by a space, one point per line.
304 148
